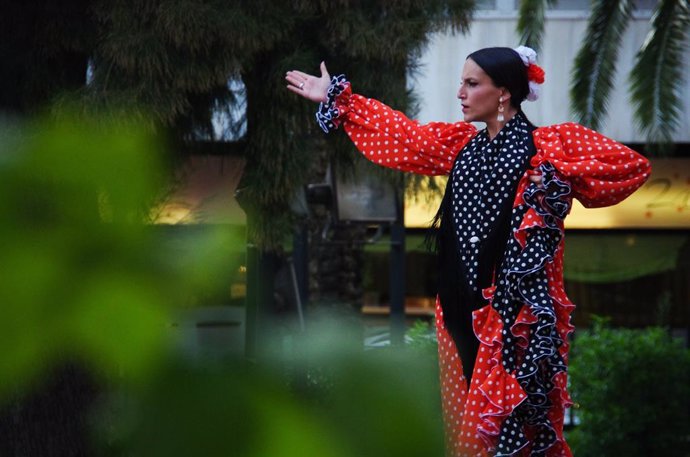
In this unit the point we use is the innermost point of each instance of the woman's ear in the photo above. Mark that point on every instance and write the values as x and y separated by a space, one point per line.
505 94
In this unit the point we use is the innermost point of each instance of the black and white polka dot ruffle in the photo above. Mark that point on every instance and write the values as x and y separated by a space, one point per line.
525 281
327 111
482 180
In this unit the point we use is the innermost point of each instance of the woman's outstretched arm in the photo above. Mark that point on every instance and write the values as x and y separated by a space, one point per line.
385 136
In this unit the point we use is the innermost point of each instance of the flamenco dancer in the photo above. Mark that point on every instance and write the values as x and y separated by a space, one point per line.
502 316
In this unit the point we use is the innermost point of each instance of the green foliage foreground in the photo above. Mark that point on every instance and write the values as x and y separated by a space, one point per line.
329 401
78 276
86 281
634 393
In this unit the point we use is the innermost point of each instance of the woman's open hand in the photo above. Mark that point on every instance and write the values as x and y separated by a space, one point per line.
310 87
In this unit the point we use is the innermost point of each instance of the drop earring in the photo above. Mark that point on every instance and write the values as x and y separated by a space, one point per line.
500 117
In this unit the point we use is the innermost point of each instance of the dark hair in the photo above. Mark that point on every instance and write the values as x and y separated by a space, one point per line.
506 69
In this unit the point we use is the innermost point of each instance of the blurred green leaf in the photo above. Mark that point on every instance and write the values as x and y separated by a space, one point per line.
89 281
85 275
324 396
118 324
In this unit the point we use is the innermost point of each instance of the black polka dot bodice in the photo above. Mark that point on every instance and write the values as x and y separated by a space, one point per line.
482 180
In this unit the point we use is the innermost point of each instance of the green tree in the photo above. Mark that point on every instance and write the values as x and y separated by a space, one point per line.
172 60
88 298
179 62
44 47
174 63
655 79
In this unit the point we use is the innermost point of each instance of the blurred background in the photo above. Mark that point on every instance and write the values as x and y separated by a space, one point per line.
190 266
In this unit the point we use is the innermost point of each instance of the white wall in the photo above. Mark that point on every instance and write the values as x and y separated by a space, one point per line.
442 61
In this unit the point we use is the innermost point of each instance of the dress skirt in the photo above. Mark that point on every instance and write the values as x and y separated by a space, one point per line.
465 408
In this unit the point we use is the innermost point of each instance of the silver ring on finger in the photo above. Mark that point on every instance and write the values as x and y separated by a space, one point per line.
301 86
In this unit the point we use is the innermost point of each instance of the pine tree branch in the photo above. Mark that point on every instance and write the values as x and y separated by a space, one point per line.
595 64
530 24
656 78
456 16
173 58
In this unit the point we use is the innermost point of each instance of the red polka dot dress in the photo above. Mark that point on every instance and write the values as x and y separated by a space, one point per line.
502 316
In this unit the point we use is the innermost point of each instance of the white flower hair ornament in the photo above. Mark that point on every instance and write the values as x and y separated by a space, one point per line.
535 74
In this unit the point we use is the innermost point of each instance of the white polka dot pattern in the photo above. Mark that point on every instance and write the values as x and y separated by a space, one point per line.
600 171
515 403
482 179
388 138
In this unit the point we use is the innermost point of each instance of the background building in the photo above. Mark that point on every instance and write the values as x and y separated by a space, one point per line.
630 262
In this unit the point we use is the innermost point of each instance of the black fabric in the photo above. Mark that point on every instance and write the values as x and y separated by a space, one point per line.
458 296
524 280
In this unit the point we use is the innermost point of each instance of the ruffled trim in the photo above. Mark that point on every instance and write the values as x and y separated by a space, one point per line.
501 390
507 404
549 200
528 379
330 111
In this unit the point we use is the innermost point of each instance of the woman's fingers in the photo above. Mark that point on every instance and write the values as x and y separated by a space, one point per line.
308 86
296 90
301 74
294 80
299 83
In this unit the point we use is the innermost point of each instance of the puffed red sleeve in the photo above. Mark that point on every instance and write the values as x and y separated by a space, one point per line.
601 171
388 138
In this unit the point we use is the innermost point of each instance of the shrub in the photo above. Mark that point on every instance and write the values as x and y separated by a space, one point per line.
633 389
422 336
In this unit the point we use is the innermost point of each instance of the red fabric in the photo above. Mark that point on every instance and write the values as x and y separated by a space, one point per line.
388 138
472 416
600 172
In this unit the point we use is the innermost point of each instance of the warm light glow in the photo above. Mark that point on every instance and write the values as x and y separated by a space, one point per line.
420 212
172 213
204 194
663 202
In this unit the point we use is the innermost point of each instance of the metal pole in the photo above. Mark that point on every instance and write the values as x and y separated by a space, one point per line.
397 276
251 302
261 268
300 256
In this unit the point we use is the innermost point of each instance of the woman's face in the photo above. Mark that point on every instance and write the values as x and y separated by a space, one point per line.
478 94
